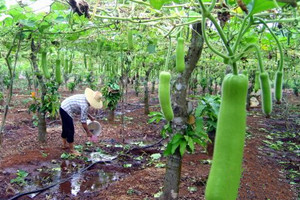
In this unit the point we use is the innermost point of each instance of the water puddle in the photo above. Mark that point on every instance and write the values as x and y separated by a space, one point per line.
88 182
53 172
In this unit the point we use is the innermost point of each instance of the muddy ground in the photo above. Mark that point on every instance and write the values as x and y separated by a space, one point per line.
131 171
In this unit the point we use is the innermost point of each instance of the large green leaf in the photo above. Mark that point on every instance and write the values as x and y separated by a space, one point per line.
59 6
182 147
157 4
151 48
257 6
193 15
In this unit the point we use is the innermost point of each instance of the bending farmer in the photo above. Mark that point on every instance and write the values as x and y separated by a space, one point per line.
77 104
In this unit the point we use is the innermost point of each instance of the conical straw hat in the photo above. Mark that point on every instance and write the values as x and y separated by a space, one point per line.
94 98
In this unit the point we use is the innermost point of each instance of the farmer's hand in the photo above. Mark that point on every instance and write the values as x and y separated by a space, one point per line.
89 134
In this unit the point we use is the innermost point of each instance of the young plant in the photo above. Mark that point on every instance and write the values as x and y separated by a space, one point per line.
51 101
111 94
208 110
20 179
157 117
71 86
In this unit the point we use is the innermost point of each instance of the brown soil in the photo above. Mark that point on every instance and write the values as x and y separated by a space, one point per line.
263 177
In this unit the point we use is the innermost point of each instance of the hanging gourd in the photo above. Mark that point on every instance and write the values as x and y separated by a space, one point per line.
58 72
164 95
45 66
180 65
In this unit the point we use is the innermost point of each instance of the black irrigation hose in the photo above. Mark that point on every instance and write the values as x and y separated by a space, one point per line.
80 171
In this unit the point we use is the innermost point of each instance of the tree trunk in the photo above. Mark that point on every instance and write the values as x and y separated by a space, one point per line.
111 115
172 178
216 87
250 89
12 70
146 92
173 170
153 87
42 131
42 126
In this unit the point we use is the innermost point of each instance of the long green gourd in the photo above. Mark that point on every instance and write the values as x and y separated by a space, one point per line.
90 65
85 61
180 65
256 81
66 67
70 66
266 93
44 65
278 86
224 177
164 95
129 37
58 72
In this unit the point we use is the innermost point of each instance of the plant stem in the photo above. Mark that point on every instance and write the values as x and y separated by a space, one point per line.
168 54
206 13
280 66
212 5
207 41
203 24
241 33
286 20
258 54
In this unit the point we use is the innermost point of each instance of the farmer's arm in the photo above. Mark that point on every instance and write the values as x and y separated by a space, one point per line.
83 117
88 132
90 117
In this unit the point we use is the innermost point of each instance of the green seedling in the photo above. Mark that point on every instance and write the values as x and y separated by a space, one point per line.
44 154
127 165
192 189
79 148
157 195
160 165
20 179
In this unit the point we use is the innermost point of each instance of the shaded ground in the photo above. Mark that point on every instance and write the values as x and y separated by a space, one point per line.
137 172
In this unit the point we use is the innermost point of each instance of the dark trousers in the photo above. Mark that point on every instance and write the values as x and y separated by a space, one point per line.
67 126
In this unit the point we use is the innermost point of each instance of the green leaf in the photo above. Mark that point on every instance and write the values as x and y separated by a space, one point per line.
157 4
176 138
193 15
44 26
16 13
156 156
257 6
231 2
73 37
152 120
199 124
168 150
199 110
65 156
28 23
191 144
182 147
2 7
22 173
157 195
160 165
60 19
200 142
127 165
174 147
151 48
59 6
